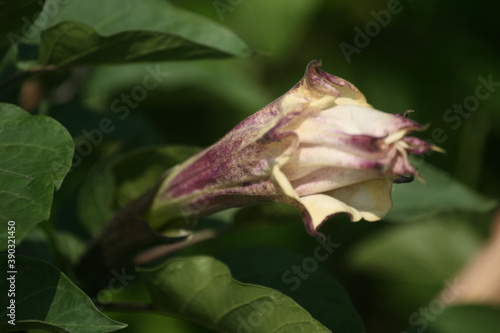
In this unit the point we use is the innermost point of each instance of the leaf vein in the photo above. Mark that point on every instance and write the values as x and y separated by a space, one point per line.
193 296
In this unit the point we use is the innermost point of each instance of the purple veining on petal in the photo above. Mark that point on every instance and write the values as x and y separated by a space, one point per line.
345 88
365 141
227 165
311 79
408 124
401 166
306 217
266 114
279 130
202 172
417 146
332 215
259 191
316 81
334 79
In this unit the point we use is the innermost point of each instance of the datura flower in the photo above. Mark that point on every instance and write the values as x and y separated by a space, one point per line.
320 147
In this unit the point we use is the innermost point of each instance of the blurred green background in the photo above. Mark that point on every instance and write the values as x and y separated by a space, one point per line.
429 57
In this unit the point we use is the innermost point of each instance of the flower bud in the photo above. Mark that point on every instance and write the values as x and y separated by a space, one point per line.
320 147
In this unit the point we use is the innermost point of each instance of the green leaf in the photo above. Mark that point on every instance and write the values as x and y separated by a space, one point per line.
125 178
46 299
92 32
467 319
202 290
300 278
422 253
441 194
35 156
74 43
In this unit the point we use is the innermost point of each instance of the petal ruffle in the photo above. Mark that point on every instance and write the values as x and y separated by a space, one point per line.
370 200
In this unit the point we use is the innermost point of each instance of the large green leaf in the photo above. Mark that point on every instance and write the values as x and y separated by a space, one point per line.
74 43
299 277
35 156
441 193
115 31
46 299
201 289
113 185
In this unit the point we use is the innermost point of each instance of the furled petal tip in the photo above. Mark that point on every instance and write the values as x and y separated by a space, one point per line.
320 147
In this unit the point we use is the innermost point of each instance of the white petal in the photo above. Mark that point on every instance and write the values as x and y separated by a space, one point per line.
322 206
328 179
354 120
321 156
370 200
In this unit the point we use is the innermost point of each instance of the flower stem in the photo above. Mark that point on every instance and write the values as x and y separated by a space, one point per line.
26 74
125 236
